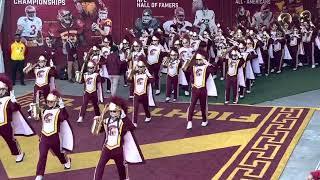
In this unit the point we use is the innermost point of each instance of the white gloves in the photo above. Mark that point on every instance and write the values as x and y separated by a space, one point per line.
60 103
13 97
148 73
51 63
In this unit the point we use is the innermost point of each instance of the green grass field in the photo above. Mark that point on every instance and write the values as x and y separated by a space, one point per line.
274 86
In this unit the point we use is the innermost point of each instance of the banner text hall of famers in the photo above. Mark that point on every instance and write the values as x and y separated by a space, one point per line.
146 4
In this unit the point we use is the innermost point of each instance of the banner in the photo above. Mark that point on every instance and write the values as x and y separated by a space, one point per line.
49 24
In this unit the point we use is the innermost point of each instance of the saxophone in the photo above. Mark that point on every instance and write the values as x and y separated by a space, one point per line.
98 122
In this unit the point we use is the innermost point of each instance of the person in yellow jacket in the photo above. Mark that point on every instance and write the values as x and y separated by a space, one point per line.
17 55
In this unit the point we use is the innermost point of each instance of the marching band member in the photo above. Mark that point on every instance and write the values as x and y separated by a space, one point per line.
12 122
142 80
235 62
316 54
194 39
145 38
45 79
256 62
56 134
137 54
221 45
265 51
307 32
241 73
249 73
293 41
173 36
125 54
202 86
185 54
173 65
278 48
120 143
154 58
92 90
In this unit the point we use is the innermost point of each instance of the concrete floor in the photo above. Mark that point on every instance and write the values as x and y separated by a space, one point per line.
305 156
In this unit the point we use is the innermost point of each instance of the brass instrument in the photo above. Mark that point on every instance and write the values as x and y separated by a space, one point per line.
35 108
79 74
305 16
284 18
29 67
98 122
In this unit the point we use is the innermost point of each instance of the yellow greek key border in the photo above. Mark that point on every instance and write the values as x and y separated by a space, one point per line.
283 162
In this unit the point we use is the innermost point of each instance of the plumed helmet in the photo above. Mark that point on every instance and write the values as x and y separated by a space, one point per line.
5 82
42 58
54 95
91 64
118 104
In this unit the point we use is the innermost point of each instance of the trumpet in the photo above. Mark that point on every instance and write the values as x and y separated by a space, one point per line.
98 122
79 74
29 67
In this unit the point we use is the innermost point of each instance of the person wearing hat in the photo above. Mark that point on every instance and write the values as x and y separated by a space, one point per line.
278 48
154 57
316 47
142 91
147 21
18 52
56 133
195 39
308 34
265 51
120 143
45 79
251 54
173 65
293 41
178 21
137 54
185 54
12 121
125 55
202 86
235 62
92 90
